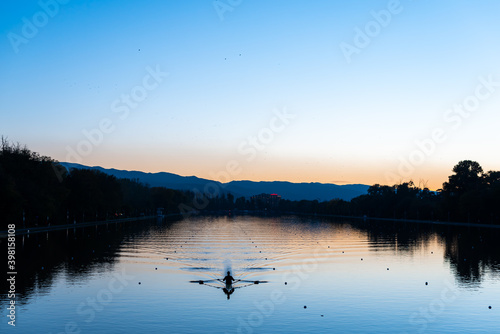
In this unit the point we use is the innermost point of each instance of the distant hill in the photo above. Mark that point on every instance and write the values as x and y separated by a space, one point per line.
287 190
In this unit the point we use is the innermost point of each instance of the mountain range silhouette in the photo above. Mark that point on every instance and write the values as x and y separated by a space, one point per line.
287 190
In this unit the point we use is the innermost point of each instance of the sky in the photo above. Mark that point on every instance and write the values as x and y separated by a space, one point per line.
291 90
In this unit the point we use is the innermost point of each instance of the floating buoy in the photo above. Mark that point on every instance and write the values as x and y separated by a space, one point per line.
139 283
426 283
305 306
274 268
286 283
322 315
156 268
387 268
489 307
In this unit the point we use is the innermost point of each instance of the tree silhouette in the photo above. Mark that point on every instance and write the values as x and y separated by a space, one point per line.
468 176
37 190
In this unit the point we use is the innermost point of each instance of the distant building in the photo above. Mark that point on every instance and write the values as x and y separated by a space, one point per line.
266 201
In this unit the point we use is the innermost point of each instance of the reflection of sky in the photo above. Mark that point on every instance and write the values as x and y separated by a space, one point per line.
353 295
353 120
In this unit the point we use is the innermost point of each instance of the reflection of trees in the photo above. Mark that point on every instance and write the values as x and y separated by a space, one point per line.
77 253
43 257
470 251
400 236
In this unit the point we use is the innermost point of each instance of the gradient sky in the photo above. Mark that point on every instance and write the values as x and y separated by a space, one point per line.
230 69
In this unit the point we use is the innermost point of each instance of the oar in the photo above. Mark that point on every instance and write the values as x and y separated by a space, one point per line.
247 281
242 286
203 281
219 280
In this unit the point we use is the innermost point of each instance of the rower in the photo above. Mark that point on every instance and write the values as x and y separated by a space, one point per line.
228 279
228 290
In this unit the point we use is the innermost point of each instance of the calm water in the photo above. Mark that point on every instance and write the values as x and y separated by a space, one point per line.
353 277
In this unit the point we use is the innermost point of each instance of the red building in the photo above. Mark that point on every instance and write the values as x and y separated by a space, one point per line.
266 201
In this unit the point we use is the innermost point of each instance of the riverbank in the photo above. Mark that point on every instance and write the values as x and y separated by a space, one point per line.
433 222
364 218
41 229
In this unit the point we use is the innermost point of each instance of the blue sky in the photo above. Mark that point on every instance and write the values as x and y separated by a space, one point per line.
232 64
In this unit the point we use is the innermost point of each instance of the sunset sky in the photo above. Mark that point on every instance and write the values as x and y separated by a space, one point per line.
303 91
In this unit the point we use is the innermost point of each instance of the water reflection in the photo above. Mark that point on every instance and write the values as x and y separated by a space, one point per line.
472 252
77 254
74 254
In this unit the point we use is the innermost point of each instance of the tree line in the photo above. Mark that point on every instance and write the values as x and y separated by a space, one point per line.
36 190
470 195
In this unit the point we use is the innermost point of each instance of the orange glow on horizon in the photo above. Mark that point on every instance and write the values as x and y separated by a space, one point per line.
297 172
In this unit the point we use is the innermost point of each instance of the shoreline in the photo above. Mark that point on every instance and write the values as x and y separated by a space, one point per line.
42 229
285 213
432 222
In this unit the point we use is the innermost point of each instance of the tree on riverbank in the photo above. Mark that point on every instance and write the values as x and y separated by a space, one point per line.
36 190
470 195
39 189
29 186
